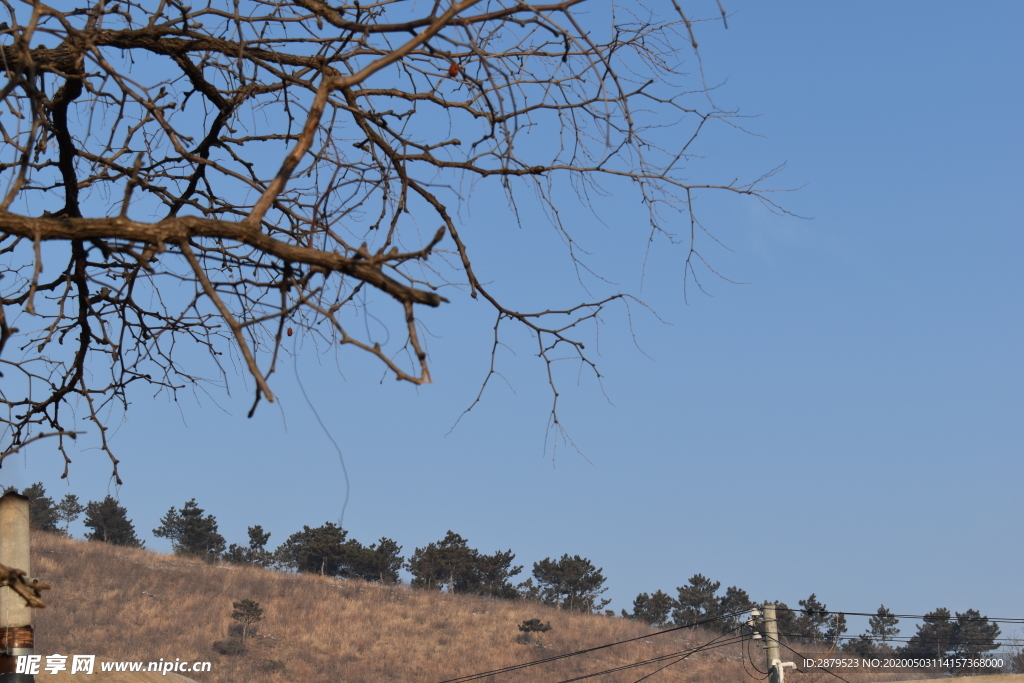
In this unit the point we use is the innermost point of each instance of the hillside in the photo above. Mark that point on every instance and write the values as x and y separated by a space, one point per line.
128 604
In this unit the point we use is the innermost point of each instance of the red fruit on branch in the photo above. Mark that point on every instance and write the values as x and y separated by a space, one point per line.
453 70
289 331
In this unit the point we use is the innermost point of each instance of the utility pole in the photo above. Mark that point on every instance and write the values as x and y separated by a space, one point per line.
771 642
16 636
776 667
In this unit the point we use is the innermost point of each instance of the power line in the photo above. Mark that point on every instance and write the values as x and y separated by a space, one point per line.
683 654
662 668
746 648
516 667
677 656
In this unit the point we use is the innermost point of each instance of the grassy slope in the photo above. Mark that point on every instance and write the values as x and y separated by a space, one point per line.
126 604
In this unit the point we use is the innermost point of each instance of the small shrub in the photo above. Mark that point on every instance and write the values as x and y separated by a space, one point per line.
231 647
534 626
528 628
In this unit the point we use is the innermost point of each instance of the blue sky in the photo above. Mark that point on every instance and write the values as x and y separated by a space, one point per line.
847 421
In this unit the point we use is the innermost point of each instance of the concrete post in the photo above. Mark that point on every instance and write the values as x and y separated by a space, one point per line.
16 637
771 644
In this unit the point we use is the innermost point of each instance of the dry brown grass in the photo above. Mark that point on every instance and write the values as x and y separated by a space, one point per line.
128 604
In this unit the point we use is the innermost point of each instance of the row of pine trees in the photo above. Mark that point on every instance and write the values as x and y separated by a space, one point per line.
940 635
570 582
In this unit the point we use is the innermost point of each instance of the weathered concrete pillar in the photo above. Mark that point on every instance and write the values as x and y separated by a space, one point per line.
16 636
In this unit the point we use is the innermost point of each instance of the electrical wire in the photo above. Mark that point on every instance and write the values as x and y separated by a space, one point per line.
547 660
764 674
341 456
677 656
662 668
659 669
683 654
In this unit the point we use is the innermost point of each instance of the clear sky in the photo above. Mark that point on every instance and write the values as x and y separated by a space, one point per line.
847 421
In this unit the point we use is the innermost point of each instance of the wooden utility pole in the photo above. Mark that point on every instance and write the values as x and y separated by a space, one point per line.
16 636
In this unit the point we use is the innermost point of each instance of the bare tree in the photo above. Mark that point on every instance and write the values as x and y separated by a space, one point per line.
221 176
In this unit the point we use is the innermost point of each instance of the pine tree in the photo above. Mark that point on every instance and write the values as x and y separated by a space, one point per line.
570 583
42 513
965 638
248 613
68 510
975 635
256 553
109 523
450 563
732 607
813 620
653 609
861 646
874 642
315 551
190 533
697 601
382 562
836 628
493 573
882 626
935 637
534 626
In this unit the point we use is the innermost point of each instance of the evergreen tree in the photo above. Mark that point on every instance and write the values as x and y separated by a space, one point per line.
882 626
570 583
935 637
379 563
109 523
327 550
975 635
874 642
861 646
248 613
697 601
256 553
68 510
450 563
493 574
315 551
191 533
653 609
534 626
42 513
732 607
965 638
836 628
813 620
528 590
